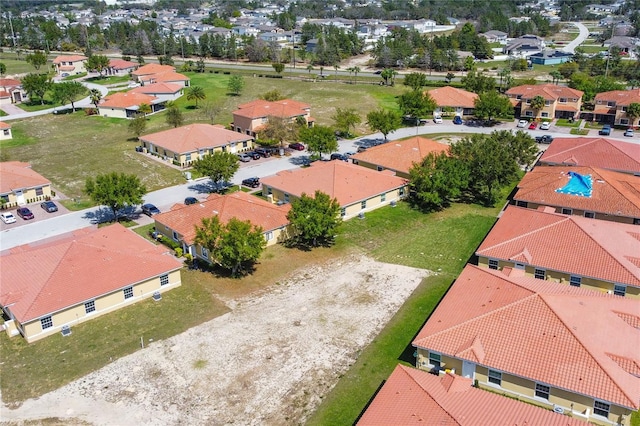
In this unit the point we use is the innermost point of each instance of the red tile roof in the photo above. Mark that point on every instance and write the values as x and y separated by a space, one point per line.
16 175
127 100
344 181
550 92
573 333
160 88
285 108
614 193
621 97
194 137
415 397
121 64
183 219
452 97
4 94
66 270
4 125
401 154
165 77
69 58
592 248
9 82
153 69
597 152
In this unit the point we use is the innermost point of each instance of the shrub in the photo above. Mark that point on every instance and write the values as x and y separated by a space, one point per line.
179 252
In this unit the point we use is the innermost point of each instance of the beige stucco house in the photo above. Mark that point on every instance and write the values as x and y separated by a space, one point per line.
20 185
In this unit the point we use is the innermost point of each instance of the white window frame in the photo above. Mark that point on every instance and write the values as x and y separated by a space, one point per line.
164 279
544 114
46 322
542 391
602 407
620 290
363 204
343 212
575 279
128 293
268 235
539 274
496 376
205 252
89 307
383 197
494 264
435 359
528 113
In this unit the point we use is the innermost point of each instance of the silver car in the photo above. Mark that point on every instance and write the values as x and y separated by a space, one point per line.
244 158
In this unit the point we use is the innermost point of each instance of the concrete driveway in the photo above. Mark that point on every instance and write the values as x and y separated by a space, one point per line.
584 33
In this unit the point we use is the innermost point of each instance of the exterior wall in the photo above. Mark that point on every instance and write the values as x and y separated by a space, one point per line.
623 120
27 194
5 134
167 96
112 112
103 304
372 166
78 68
577 212
185 159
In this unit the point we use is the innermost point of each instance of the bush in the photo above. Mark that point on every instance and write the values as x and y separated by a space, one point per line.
179 252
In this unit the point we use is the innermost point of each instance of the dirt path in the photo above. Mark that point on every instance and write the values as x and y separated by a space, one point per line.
267 362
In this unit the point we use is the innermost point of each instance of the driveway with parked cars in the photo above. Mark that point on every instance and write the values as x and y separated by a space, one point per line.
39 214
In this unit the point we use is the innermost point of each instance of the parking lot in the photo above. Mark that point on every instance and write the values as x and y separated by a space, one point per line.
38 215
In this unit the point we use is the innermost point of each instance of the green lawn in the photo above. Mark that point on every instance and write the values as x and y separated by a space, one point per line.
592 49
17 66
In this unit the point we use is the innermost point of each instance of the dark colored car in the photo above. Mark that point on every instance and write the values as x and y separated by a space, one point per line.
252 182
254 155
457 120
263 152
338 156
24 213
297 146
150 209
544 139
190 200
49 206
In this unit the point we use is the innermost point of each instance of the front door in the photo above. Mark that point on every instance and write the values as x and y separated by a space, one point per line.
468 369
20 198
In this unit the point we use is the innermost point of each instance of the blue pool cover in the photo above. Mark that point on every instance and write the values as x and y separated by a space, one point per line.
578 184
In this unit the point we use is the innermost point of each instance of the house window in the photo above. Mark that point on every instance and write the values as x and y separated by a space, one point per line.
620 290
401 191
286 197
528 113
4 198
187 157
46 322
545 115
244 144
539 274
268 236
363 205
567 211
39 191
563 100
90 306
164 279
493 264
611 103
547 103
636 221
589 215
542 391
624 109
383 198
518 96
175 235
521 203
343 212
527 101
624 121
435 359
601 408
205 252
379 168
128 293
495 377
6 132
575 280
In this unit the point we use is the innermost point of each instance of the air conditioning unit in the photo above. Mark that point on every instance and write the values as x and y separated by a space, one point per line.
361 215
558 409
66 330
393 203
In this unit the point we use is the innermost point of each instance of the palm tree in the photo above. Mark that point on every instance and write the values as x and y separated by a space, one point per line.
309 68
537 104
356 70
144 109
556 76
197 93
95 96
335 67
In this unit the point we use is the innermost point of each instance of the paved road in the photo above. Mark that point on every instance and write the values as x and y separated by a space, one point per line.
584 33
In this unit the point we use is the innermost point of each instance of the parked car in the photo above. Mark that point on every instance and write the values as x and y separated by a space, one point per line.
263 152
522 123
244 158
49 206
545 126
190 200
629 132
297 146
338 156
457 120
437 119
24 213
606 130
252 182
253 155
533 125
150 209
8 217
546 139
361 149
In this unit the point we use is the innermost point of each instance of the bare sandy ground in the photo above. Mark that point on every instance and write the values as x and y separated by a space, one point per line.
267 362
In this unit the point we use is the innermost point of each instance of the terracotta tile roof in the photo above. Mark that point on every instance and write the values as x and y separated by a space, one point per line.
161 88
4 125
193 137
621 97
614 193
69 58
9 82
66 269
183 219
165 76
67 68
153 69
121 64
4 94
550 92
17 175
605 153
569 108
285 108
127 100
572 331
415 397
344 181
401 154
592 248
604 109
452 97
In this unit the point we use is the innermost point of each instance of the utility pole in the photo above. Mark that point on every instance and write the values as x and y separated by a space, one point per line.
13 36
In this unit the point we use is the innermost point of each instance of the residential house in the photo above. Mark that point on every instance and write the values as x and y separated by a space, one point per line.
170 77
524 45
11 91
584 191
626 44
183 145
451 99
179 224
602 8
357 189
604 153
596 254
410 396
5 131
121 67
550 57
163 91
20 185
611 107
150 69
494 36
398 156
127 105
560 101
70 65
64 289
249 118
564 348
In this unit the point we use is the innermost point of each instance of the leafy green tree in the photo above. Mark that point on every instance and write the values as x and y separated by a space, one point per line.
522 146
197 93
144 109
3 68
436 181
388 75
174 116
416 104
568 69
478 82
138 125
346 119
319 139
36 59
384 121
469 64
219 166
279 130
200 66
68 92
278 67
415 80
36 84
556 76
633 112
314 219
98 63
537 104
450 76
210 111
272 95
235 85
115 190
95 96
491 104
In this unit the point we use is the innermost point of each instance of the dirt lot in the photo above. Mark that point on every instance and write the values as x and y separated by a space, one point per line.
268 362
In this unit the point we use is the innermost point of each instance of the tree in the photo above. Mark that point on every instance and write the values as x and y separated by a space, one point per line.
320 139
469 64
346 119
95 95
144 109
278 67
98 63
556 76
138 125
491 104
272 95
68 92
450 76
210 111
522 146
219 166
436 181
197 93
314 219
416 104
235 85
36 84
384 121
115 190
356 70
36 59
309 68
568 69
537 104
3 69
477 82
278 129
174 116
388 74
415 80
633 112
